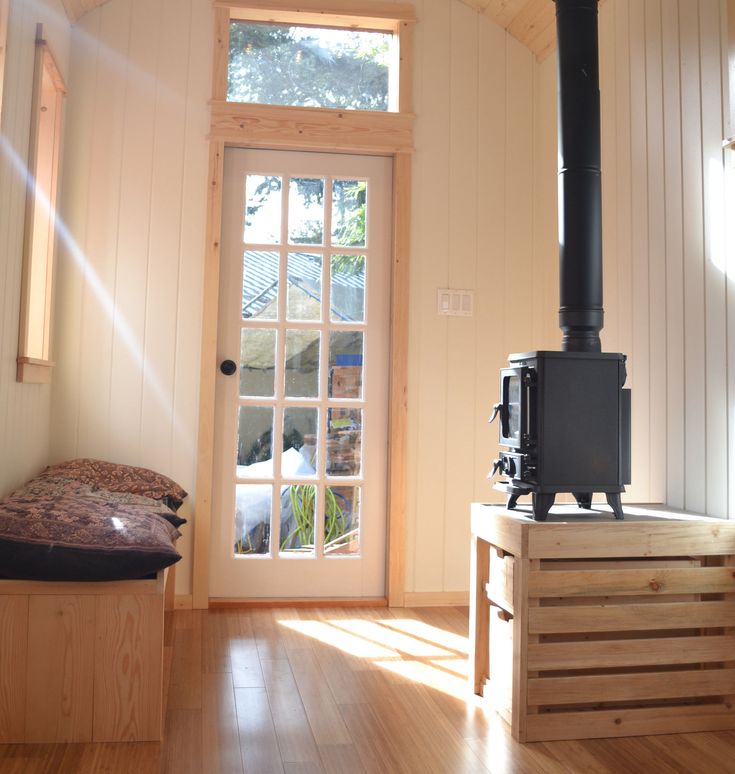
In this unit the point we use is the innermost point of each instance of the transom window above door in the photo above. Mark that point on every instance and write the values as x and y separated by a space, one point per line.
327 67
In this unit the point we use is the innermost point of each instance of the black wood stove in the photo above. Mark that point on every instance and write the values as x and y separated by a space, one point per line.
565 416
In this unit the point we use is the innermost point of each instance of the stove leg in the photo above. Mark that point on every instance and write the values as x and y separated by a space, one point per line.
613 500
512 502
584 499
542 505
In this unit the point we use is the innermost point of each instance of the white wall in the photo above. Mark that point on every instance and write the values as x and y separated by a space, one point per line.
664 213
128 316
668 298
485 210
473 227
24 408
484 218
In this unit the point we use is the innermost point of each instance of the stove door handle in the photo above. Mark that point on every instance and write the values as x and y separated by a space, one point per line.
496 410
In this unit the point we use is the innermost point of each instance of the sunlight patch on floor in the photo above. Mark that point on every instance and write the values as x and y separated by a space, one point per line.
429 633
407 648
349 643
371 630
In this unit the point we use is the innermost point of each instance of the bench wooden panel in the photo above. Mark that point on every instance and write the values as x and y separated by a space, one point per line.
81 662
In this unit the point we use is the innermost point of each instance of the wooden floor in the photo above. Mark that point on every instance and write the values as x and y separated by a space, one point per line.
343 691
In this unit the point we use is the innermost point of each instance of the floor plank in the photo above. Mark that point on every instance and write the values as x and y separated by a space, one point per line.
259 749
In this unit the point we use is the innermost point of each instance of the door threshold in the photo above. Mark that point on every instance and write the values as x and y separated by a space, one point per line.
304 602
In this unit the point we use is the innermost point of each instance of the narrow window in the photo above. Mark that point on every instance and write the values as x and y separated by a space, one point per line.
38 259
285 64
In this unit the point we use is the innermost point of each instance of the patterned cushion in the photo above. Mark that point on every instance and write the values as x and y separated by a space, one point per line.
53 529
120 478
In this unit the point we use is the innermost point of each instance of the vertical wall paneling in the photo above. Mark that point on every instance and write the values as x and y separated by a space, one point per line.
492 270
692 219
675 480
608 108
430 271
134 200
129 313
71 263
619 16
190 270
714 257
638 199
656 251
728 56
164 236
101 229
24 408
546 332
463 186
518 322
473 226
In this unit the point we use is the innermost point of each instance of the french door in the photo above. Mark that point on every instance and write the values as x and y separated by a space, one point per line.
302 391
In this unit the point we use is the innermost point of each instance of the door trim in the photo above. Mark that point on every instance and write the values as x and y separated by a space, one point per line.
398 386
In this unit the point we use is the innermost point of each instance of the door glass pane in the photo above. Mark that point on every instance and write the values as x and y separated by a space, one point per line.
345 364
347 288
306 211
304 286
299 441
298 506
263 209
255 442
253 518
344 442
302 364
342 521
257 361
349 201
260 285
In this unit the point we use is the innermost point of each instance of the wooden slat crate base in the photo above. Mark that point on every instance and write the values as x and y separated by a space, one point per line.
584 627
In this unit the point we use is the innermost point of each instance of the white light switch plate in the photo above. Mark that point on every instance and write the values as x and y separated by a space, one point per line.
455 303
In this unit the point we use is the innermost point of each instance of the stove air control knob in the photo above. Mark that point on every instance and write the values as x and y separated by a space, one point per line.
509 466
497 466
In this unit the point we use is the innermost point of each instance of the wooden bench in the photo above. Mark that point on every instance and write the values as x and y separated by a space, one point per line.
584 627
82 662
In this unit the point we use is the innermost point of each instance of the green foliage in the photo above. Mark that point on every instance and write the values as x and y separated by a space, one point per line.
283 65
302 498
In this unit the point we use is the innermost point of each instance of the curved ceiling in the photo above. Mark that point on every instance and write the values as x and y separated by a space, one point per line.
530 21
533 22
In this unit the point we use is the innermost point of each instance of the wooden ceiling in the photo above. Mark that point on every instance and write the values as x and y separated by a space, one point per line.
530 21
533 22
75 9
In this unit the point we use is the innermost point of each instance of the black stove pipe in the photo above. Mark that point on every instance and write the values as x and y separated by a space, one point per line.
580 198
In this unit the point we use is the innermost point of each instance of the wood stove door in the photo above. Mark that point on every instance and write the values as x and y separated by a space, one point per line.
511 414
301 411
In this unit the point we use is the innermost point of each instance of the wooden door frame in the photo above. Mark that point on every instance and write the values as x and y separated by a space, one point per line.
276 127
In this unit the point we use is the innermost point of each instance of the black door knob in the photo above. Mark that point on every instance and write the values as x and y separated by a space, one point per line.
228 367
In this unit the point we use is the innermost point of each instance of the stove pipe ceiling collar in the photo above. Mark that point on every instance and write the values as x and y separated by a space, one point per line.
580 198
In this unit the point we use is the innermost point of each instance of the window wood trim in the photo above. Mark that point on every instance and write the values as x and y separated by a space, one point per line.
31 368
351 14
33 371
4 20
282 127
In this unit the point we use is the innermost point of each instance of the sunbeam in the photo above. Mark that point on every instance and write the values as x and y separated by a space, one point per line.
105 301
